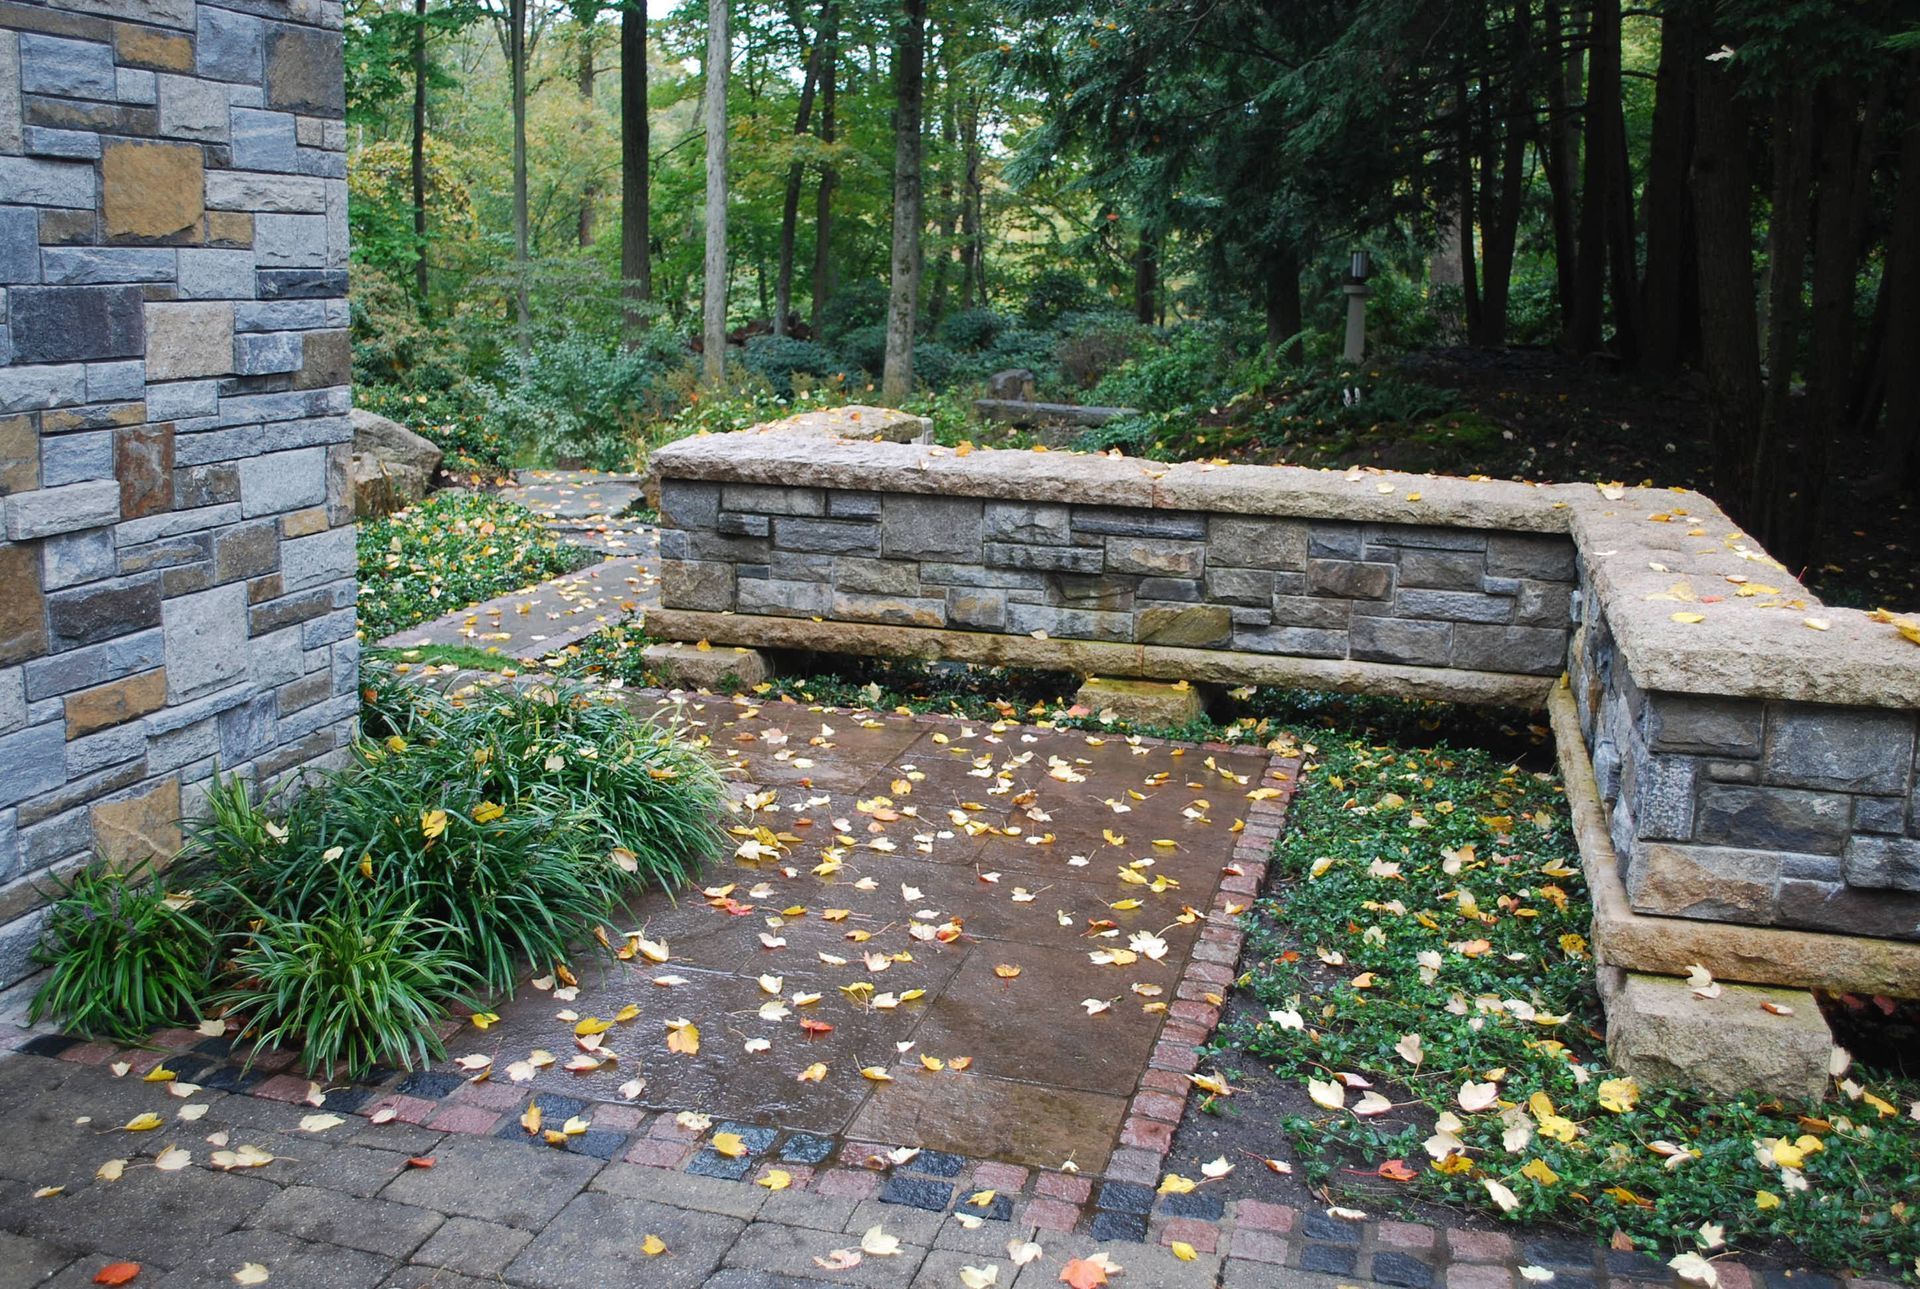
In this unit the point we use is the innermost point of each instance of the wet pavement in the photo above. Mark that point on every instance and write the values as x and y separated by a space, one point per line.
921 932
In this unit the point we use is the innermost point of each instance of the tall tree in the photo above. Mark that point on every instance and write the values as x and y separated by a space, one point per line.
636 259
419 158
829 42
713 307
586 19
796 171
909 69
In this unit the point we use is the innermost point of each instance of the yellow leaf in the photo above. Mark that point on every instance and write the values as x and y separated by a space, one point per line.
1183 1251
1539 1171
143 1122
531 1119
158 1074
1764 1200
433 822
876 1073
813 1073
488 811
653 1246
776 1179
1689 618
729 1144
592 1025
1175 1184
1618 1095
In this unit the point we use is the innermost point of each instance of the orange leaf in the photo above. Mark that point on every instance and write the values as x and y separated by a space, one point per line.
116 1273
1396 1170
1082 1274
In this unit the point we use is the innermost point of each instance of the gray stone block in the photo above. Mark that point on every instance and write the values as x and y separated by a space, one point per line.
102 610
19 245
289 241
1248 586
95 265
133 85
1452 606
263 353
51 511
1403 641
32 181
827 536
1298 642
1067 559
936 573
932 527
246 190
1349 580
1159 557
117 382
1310 611
32 761
1883 863
1849 910
93 665
1729 727
1170 588
66 68
97 752
1542 604
795 566
876 576
310 561
245 730
1425 537
77 323
308 315
699 585
853 505
784 599
1033 523
1662 788
81 145
771 499
684 504
1331 539
1717 884
262 141
206 635
1530 555
183 400
1125 521
229 46
217 275
888 610
1772 818
33 389
191 108
1529 651
302 284
1887 815
1257 543
1081 591
1843 748
1069 624
736 525
977 609
1444 570
76 458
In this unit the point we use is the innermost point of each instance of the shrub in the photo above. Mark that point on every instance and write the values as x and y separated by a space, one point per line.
581 399
1086 355
852 307
1053 292
452 550
362 982
454 420
934 365
1191 367
125 956
974 329
864 348
778 359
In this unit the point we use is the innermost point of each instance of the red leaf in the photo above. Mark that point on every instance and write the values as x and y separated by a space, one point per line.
116 1273
421 1161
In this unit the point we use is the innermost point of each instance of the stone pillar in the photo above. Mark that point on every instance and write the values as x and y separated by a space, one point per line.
178 562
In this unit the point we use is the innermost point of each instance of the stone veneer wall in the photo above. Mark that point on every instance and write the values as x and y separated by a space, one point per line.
1757 772
1392 593
178 557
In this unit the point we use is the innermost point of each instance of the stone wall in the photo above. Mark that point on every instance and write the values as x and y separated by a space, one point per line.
1754 750
178 556
1407 594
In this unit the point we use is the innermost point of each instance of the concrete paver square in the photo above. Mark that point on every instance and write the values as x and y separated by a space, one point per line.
790 1250
146 1216
373 1225
597 1238
994 1118
292 1263
495 1181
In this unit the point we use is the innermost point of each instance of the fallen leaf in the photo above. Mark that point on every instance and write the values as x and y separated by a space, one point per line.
116 1273
879 1243
320 1122
252 1274
653 1246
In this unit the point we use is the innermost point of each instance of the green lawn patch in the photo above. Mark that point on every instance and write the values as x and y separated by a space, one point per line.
452 550
1428 934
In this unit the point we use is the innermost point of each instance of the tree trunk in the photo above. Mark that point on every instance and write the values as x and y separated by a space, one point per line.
949 215
896 381
1604 194
1468 216
420 150
973 263
796 174
823 197
1501 217
1560 150
1284 317
1669 306
1787 236
583 77
517 63
1900 286
636 259
1146 280
713 305
1722 191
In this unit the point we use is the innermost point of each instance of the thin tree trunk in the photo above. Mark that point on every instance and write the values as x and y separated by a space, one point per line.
1502 221
823 196
1463 188
1146 280
796 174
713 307
1598 179
517 62
1666 294
1284 316
420 150
1722 191
896 381
949 215
1787 235
636 259
973 280
589 191
1560 156
1900 285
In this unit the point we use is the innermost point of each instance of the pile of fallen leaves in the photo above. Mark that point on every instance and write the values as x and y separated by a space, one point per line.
1426 977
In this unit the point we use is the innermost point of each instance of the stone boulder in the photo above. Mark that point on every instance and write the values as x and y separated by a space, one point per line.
1016 383
392 466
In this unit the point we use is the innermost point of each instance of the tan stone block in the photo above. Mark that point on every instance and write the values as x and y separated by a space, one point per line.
146 826
327 358
692 667
101 416
1186 624
1142 702
143 460
159 51
152 191
304 523
232 228
116 703
185 340
23 618
1661 1031
19 454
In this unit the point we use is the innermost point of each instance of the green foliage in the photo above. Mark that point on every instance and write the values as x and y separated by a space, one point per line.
1193 365
578 399
854 306
454 420
363 981
974 329
1448 885
452 550
778 359
125 956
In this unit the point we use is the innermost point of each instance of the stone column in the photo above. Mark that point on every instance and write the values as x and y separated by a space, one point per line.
177 563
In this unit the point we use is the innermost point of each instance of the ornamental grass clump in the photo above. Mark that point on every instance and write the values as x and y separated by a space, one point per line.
126 956
1424 978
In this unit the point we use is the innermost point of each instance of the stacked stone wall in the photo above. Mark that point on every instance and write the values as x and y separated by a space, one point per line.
1406 594
177 566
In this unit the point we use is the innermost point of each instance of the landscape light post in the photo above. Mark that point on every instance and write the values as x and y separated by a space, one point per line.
1357 292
